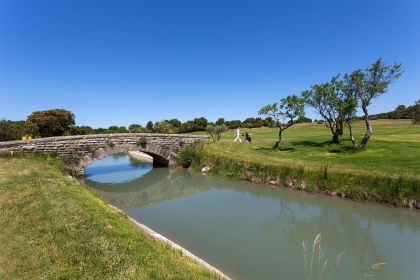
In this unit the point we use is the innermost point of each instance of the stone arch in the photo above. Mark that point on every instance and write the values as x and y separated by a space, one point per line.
162 156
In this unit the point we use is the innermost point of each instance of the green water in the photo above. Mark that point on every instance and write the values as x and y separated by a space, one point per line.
252 231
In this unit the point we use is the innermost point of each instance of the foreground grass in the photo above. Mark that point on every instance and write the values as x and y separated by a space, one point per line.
387 170
51 227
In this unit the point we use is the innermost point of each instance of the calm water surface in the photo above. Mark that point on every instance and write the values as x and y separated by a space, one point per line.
252 231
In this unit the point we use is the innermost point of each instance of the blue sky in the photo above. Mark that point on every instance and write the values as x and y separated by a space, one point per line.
123 62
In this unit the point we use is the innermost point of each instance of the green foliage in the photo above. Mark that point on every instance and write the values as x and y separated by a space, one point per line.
332 104
14 130
186 156
416 114
363 86
220 121
366 85
401 112
117 129
233 124
149 126
81 130
253 122
54 122
200 124
136 128
269 122
91 149
175 123
187 127
165 127
141 141
216 131
290 110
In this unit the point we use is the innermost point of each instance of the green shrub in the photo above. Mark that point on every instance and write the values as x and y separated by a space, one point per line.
141 141
216 131
187 156
91 149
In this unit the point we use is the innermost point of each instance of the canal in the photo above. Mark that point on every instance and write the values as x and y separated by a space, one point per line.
252 231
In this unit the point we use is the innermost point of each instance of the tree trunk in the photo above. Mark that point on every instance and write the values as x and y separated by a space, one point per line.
353 141
369 130
277 145
341 128
336 133
336 138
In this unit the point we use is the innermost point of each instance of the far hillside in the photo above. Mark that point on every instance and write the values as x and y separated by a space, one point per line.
400 112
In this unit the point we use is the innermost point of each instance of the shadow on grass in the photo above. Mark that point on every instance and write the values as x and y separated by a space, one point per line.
308 143
281 149
342 149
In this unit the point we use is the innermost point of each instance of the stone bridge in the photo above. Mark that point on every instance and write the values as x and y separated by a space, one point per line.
81 150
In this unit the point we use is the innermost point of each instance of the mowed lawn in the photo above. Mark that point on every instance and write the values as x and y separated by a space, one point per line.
394 148
52 227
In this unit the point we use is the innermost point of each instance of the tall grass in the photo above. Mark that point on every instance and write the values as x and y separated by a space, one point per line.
318 258
397 190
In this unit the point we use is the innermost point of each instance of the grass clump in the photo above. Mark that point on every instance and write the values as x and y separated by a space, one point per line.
186 156
51 227
142 141
316 263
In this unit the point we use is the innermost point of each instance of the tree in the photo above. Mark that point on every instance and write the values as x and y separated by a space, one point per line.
252 122
81 130
136 128
233 124
284 115
175 123
54 122
117 129
200 124
416 115
187 127
220 121
164 127
248 123
304 120
216 131
366 85
100 130
330 102
149 126
14 130
268 122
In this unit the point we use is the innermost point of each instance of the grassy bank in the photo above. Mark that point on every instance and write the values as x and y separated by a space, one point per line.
51 227
387 171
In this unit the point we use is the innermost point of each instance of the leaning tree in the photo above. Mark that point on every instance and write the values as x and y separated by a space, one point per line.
285 114
366 85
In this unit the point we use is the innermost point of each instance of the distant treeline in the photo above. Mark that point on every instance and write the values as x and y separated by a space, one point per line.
58 122
401 112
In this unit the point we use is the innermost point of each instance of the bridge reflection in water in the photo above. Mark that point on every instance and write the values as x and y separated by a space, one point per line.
252 231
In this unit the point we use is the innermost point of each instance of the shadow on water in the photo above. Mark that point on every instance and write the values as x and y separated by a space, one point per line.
254 231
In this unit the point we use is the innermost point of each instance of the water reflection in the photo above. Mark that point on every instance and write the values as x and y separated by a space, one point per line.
256 232
117 168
